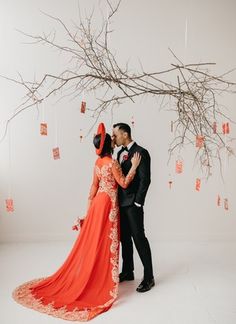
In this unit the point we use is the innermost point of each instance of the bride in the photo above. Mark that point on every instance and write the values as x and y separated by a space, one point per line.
86 284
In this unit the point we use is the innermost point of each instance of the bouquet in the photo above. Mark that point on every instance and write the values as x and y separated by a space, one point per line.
77 224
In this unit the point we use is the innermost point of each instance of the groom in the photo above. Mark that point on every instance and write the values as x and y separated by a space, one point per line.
131 201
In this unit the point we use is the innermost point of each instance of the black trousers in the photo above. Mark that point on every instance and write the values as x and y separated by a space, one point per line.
132 227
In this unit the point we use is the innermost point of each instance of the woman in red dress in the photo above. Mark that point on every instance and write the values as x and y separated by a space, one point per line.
87 282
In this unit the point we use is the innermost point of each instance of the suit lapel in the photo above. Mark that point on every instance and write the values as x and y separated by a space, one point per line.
118 156
132 149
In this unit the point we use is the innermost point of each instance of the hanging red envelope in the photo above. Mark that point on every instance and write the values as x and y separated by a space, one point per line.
214 128
198 184
44 129
199 141
226 204
56 153
9 205
83 107
179 166
218 200
225 128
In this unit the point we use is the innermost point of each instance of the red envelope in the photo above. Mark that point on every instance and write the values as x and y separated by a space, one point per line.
225 128
199 140
179 166
56 153
198 184
44 129
9 205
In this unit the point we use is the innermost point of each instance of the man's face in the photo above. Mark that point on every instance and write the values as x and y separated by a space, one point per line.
119 136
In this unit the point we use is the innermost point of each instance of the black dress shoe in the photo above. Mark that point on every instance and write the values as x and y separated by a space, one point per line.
126 276
146 285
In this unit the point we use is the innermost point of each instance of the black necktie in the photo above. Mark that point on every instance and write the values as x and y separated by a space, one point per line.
124 148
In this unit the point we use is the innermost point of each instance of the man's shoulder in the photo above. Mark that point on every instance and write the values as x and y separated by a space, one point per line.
141 149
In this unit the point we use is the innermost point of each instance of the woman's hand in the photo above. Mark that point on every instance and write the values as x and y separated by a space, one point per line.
136 160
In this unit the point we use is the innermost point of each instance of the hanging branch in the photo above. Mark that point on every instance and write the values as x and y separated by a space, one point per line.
93 67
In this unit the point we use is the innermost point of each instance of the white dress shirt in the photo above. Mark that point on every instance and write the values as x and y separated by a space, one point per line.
125 152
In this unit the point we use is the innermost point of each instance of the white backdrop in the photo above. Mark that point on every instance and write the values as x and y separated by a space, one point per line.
49 194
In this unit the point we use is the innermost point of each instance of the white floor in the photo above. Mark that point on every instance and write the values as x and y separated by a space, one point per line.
195 284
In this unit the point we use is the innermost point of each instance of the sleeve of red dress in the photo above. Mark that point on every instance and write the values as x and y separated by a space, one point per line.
122 180
94 187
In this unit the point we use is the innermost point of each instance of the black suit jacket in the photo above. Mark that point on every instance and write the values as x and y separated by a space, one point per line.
137 190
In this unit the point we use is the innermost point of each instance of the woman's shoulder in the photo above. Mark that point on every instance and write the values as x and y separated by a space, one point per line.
115 163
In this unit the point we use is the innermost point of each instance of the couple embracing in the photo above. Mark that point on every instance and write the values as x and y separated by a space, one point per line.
87 282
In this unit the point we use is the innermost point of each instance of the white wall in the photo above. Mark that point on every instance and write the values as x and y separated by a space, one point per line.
49 194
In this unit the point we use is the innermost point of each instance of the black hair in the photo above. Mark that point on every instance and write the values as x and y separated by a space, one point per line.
125 127
107 149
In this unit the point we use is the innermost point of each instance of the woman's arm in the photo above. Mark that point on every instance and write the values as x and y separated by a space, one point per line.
93 189
122 180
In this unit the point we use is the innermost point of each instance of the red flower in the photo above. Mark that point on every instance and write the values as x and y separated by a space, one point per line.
125 157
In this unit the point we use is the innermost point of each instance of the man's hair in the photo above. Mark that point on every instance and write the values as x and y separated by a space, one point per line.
125 127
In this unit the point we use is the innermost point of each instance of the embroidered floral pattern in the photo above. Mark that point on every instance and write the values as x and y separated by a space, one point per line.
106 179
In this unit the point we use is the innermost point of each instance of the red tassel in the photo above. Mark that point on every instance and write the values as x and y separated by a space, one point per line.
81 136
83 107
132 121
214 128
226 204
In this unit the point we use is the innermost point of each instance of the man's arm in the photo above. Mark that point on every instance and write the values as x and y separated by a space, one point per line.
144 173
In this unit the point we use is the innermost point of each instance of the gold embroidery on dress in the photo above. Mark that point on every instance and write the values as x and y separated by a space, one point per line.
23 295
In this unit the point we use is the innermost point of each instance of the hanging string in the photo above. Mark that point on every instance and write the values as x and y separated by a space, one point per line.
224 172
108 24
9 162
56 149
56 126
43 111
9 200
185 41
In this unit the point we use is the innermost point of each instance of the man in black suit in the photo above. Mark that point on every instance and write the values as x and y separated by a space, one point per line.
131 201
